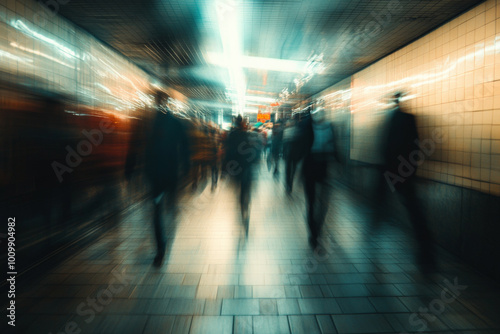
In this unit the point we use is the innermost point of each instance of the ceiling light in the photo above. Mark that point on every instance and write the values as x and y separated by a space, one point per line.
260 63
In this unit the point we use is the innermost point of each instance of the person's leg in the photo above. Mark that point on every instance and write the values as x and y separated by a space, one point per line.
194 174
293 168
268 157
276 158
310 192
215 175
172 197
324 198
204 166
245 199
288 175
158 228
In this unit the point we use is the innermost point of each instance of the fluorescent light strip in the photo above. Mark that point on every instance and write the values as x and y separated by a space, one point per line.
38 53
13 57
261 63
20 25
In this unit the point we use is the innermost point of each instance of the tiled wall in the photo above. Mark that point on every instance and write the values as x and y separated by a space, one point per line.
452 80
39 44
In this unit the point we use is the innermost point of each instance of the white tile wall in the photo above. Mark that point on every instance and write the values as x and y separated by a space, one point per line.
453 78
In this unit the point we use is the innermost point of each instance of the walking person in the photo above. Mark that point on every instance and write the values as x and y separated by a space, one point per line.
166 159
292 151
276 146
401 141
242 152
214 155
318 138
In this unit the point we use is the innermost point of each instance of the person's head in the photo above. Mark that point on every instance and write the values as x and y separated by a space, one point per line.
161 98
320 103
318 114
307 111
396 98
238 121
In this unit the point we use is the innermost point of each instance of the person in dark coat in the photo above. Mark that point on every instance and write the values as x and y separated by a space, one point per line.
166 160
293 148
242 152
277 146
53 180
400 159
319 147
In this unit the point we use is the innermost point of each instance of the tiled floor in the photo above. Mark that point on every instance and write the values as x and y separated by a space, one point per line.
216 281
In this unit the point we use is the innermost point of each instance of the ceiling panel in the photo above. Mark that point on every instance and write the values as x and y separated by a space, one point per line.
170 39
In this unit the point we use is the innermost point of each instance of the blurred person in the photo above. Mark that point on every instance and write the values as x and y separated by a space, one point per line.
292 152
214 143
263 137
139 129
166 159
50 137
399 146
317 135
277 146
260 140
241 153
269 142
287 136
201 152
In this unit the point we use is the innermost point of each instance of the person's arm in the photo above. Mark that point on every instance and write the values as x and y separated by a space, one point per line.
334 144
185 149
131 160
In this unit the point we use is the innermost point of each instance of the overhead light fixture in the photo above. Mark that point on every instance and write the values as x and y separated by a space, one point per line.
21 26
229 28
38 53
260 63
260 99
14 57
255 98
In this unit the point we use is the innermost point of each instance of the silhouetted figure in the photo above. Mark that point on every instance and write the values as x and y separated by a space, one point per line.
293 151
318 140
242 152
214 155
166 160
400 153
139 134
276 146
201 152
269 146
51 135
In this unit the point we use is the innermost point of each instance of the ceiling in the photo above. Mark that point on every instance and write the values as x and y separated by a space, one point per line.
173 40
